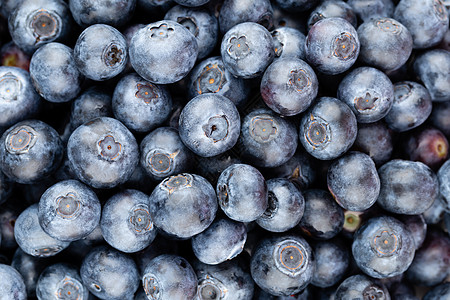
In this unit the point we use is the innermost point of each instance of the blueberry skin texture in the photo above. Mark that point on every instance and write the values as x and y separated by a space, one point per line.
353 181
400 192
18 98
169 277
242 192
322 218
26 20
332 45
109 274
247 50
221 241
209 125
267 139
285 206
12 285
332 9
383 247
439 117
201 23
282 265
385 43
163 153
376 140
412 106
126 223
69 211
368 9
134 94
444 181
91 104
440 291
332 262
183 205
297 5
30 151
32 239
103 153
427 21
111 12
54 73
211 76
417 226
288 42
60 281
288 86
191 3
234 12
169 56
432 69
101 52
228 280
328 128
368 92
361 287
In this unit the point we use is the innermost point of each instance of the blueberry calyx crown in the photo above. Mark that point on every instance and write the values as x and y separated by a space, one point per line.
263 128
238 47
146 92
190 24
317 132
69 288
109 149
386 243
440 10
373 292
177 182
216 128
47 251
10 87
344 46
277 43
366 102
20 139
290 257
44 24
113 55
212 79
402 91
161 31
387 25
272 206
299 79
139 219
210 288
68 206
161 162
152 287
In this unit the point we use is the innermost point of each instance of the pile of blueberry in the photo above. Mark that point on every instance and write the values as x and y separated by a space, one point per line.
224 149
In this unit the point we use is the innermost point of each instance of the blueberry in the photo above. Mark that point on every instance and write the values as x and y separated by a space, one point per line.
169 57
34 23
267 140
439 117
126 222
247 49
224 281
211 76
109 274
154 8
200 22
111 12
323 218
61 281
417 226
427 21
209 125
8 218
183 205
103 153
383 247
353 181
430 264
221 241
12 56
368 9
435 214
288 42
18 99
91 104
411 107
169 277
234 12
441 291
191 3
376 140
297 5
427 145
368 92
30 151
242 192
332 262
328 129
288 86
400 192
12 285
361 287
285 206
444 181
69 211
54 73
432 69
32 239
134 94
385 43
163 153
332 45
101 52
282 265
332 9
